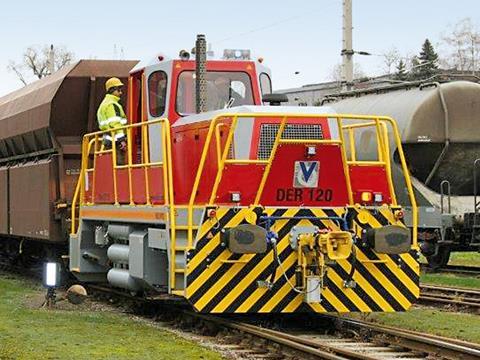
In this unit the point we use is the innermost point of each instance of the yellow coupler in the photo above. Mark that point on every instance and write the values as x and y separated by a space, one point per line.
340 270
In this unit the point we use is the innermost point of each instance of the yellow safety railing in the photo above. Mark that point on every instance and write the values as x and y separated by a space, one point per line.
383 150
355 121
92 144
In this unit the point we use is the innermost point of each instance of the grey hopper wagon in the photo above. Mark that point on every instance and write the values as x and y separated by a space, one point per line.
440 129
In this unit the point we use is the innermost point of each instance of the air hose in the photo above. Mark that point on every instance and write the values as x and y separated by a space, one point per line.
272 238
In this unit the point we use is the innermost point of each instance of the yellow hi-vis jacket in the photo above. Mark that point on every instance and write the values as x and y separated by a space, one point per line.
110 115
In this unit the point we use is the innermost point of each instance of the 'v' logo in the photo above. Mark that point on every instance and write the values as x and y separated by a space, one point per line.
307 172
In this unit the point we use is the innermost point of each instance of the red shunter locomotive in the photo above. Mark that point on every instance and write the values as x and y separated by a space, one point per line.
240 207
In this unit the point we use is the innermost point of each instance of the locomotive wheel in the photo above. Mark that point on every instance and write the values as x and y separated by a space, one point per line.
440 259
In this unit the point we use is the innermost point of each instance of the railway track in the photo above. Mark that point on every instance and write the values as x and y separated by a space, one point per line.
473 271
371 341
350 339
347 339
457 297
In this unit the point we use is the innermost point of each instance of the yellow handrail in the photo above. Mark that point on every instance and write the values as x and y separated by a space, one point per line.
280 131
360 125
218 142
408 181
223 158
221 166
383 150
309 141
388 163
114 166
346 170
368 121
351 140
79 190
93 140
129 166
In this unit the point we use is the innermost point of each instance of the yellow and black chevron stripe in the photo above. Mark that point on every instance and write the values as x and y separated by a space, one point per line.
218 281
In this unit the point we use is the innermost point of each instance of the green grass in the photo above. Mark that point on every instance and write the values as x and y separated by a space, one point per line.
454 325
450 280
31 333
460 258
465 258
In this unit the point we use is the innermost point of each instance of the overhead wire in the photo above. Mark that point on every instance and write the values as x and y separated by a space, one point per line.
274 24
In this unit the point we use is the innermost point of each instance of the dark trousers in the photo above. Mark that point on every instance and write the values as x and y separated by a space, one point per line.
121 154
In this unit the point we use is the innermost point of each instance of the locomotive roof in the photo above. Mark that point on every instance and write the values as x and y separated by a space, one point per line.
255 109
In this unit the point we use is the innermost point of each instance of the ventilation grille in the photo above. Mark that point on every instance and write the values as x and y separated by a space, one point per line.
268 132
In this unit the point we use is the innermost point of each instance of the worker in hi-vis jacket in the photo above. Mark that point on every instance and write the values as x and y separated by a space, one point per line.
110 116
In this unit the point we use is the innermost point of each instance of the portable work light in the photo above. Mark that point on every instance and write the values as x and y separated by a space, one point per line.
51 275
51 280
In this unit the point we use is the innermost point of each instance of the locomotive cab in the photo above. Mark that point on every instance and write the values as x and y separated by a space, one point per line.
169 87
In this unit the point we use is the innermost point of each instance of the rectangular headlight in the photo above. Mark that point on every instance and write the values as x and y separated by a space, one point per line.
236 197
51 274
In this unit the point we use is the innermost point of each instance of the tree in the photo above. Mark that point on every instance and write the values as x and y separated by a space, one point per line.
391 57
425 65
40 61
336 72
401 73
463 44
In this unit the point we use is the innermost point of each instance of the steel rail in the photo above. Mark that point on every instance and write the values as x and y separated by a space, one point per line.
451 289
455 269
465 297
414 341
411 340
291 341
432 344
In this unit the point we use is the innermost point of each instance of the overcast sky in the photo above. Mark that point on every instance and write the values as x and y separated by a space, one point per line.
301 35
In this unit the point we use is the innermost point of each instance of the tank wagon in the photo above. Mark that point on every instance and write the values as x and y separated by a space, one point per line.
439 128
41 129
244 208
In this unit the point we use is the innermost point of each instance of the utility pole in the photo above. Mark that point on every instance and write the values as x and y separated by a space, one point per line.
51 60
347 49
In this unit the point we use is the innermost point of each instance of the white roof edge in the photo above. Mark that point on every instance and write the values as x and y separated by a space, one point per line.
152 61
256 109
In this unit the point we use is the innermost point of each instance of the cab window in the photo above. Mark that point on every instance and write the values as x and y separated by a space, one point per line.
265 84
224 89
157 93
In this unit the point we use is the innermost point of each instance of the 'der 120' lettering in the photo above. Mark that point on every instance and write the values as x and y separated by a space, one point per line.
304 195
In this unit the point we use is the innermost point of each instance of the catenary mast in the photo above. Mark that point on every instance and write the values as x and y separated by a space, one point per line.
347 49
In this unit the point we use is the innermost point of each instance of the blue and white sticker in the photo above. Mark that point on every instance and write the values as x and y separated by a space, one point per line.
306 174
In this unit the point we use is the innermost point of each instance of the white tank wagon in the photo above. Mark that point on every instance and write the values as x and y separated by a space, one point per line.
440 129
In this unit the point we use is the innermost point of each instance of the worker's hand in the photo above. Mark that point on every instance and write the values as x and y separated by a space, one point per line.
123 146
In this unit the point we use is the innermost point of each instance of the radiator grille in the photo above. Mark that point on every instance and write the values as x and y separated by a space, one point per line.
268 132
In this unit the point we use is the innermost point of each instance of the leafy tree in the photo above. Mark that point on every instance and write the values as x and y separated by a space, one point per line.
401 73
40 61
